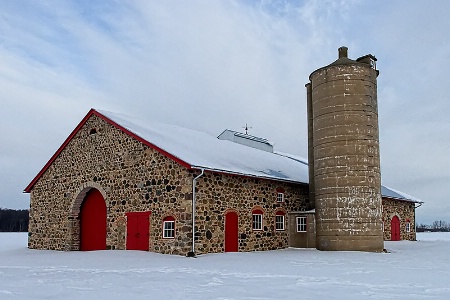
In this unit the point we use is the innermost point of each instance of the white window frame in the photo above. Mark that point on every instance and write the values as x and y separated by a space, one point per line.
279 221
169 231
257 219
280 197
408 227
301 224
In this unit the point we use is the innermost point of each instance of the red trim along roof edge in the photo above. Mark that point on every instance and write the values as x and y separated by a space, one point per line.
79 126
145 142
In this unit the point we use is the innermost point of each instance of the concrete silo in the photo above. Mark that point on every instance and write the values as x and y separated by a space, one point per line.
344 156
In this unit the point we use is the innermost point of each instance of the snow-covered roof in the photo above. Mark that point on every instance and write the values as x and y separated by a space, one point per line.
203 151
198 150
294 157
385 191
391 193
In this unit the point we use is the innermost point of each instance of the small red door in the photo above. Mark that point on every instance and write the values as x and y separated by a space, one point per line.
138 230
231 232
93 222
395 229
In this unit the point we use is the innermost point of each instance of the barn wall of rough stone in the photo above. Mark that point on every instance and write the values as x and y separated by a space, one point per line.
405 211
220 193
133 177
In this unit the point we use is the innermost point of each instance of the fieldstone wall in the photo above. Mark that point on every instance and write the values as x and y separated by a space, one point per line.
133 177
218 193
405 211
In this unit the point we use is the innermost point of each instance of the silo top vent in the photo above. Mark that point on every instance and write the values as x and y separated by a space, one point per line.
343 52
344 60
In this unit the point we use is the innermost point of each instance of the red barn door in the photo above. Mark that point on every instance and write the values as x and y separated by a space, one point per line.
93 222
231 232
138 230
395 229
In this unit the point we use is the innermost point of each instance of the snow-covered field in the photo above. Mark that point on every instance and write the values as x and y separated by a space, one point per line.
412 270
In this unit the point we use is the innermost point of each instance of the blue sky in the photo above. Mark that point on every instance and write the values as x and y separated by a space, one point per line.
212 65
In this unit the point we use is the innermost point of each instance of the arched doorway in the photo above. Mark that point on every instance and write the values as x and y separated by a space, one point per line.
231 232
93 222
395 229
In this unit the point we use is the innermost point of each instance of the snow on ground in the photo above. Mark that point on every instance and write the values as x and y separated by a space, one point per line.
412 270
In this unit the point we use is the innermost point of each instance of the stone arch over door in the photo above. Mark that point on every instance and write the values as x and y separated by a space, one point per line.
73 238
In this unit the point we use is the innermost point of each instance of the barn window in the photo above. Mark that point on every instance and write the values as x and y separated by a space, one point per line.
301 224
93 131
279 221
280 197
169 227
257 219
408 226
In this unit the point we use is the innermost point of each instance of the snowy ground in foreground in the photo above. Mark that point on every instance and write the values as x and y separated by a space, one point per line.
412 270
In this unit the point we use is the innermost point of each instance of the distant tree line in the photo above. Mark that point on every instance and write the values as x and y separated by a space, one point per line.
13 220
440 226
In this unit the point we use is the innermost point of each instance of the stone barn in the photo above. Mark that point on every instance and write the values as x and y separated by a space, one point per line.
117 184
399 217
114 184
120 183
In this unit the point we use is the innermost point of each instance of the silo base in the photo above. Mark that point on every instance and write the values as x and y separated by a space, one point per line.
350 243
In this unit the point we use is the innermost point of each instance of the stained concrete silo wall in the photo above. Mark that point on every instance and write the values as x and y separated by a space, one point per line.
346 162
